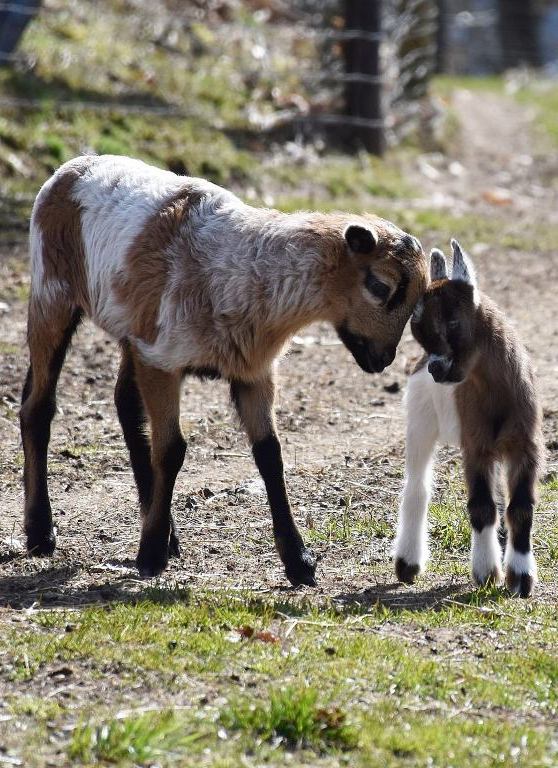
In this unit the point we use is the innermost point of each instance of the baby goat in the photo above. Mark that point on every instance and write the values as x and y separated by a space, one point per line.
191 280
474 388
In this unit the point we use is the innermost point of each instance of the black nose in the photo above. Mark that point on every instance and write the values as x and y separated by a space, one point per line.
388 356
437 370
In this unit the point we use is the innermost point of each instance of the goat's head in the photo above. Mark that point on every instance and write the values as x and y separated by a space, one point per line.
382 273
443 321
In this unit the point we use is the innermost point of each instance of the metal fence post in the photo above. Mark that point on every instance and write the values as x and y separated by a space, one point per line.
13 22
363 91
518 33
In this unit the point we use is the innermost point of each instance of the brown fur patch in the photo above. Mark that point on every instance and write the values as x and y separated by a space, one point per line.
58 218
141 286
498 402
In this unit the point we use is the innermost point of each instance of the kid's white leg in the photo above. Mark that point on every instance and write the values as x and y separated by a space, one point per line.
411 543
486 555
521 567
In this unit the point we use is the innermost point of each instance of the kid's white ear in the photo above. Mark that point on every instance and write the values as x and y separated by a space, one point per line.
438 265
463 268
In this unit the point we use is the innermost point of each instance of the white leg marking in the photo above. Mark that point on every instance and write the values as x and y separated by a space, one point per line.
486 555
520 562
411 542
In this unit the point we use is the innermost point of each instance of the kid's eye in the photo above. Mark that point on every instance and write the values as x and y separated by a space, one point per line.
453 324
376 287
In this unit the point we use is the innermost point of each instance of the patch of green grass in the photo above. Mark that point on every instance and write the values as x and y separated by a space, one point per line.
293 718
142 739
450 529
445 85
33 706
8 349
56 148
542 95
392 736
330 679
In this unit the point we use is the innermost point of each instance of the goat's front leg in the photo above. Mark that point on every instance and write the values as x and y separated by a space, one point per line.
521 567
411 543
486 554
160 392
254 403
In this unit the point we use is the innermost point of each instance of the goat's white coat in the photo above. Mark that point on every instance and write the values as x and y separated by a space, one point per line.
520 562
486 554
114 210
431 418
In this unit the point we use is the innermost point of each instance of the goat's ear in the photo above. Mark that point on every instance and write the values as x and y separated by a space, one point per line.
463 268
361 240
418 311
438 265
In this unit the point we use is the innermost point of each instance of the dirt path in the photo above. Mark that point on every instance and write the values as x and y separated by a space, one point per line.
342 431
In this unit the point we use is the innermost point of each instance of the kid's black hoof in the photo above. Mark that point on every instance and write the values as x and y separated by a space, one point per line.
493 578
152 559
174 545
41 543
406 572
302 570
519 584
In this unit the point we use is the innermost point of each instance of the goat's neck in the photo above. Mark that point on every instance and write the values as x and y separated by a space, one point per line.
497 358
292 269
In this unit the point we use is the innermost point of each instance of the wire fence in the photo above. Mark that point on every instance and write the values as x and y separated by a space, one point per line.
316 38
399 50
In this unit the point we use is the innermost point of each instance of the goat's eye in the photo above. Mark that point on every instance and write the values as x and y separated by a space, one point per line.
376 287
453 324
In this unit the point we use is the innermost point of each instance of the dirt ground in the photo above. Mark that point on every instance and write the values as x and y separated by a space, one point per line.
342 431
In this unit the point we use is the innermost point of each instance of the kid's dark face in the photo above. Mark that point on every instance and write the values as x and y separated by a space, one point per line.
444 325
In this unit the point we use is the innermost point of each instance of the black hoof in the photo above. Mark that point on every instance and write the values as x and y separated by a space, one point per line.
406 572
174 545
519 584
152 559
41 543
493 578
302 569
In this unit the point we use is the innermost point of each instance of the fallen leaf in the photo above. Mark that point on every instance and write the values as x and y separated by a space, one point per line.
497 196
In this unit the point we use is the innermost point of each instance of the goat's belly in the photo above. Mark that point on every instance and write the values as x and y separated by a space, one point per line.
443 396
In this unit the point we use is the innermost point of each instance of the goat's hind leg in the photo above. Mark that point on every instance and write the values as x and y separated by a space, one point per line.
411 543
133 420
486 554
521 567
50 330
160 392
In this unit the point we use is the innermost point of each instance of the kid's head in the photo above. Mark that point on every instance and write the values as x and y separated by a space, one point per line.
443 321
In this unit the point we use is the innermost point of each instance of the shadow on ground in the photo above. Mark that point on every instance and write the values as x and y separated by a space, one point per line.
70 586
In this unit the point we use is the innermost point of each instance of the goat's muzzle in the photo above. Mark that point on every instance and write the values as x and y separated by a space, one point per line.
443 370
364 351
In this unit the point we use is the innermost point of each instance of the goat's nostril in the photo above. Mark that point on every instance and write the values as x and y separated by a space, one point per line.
437 369
389 355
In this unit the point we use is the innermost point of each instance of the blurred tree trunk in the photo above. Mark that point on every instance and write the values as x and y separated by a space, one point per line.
13 23
518 33
363 92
